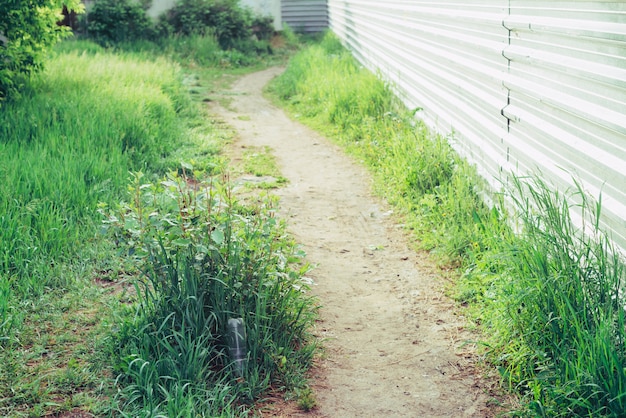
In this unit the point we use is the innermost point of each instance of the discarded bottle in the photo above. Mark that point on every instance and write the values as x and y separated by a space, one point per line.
237 344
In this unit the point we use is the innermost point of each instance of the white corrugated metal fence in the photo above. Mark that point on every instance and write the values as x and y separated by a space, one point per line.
525 86
306 16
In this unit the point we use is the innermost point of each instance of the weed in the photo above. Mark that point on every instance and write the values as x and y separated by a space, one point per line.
564 302
306 399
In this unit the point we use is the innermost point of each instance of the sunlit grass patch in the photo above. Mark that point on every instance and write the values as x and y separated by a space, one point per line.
69 145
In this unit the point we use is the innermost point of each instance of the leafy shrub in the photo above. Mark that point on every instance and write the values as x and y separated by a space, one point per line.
207 259
115 21
262 27
26 32
224 19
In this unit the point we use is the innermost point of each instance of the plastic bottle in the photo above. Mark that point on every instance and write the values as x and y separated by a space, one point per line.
237 344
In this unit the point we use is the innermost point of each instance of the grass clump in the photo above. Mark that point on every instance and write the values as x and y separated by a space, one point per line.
207 260
561 308
549 299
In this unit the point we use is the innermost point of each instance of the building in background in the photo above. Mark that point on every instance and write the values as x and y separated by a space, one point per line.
305 16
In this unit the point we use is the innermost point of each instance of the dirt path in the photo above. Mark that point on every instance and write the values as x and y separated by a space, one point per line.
393 342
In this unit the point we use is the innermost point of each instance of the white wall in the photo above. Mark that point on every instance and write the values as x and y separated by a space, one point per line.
526 86
266 8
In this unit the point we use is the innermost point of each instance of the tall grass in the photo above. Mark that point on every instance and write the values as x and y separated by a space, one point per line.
69 144
549 299
565 307
207 260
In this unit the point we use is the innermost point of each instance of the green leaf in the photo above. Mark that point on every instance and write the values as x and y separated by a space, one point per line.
217 236
181 242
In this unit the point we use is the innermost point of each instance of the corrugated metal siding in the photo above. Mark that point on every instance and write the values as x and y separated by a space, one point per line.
444 57
567 111
524 85
305 16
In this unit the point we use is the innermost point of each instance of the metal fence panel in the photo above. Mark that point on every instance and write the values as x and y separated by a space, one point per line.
567 101
443 57
525 86
307 16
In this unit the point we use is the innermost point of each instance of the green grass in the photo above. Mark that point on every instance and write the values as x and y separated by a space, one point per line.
66 292
260 162
57 365
549 299
69 145
201 51
560 313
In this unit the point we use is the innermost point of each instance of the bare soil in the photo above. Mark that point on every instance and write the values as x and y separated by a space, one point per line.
394 344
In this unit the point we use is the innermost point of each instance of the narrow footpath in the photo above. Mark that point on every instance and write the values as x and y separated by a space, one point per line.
394 346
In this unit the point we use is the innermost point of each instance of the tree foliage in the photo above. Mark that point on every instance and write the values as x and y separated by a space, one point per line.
115 21
27 29
225 19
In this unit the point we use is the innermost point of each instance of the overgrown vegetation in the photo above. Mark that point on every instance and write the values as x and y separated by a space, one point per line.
67 145
214 26
549 299
559 308
111 22
69 317
208 260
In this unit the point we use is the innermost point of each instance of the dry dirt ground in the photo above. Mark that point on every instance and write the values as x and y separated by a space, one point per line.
394 343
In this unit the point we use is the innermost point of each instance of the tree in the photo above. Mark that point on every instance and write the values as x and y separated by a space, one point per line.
27 29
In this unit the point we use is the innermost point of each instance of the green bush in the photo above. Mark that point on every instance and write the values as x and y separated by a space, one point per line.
224 19
27 30
263 27
207 259
114 21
